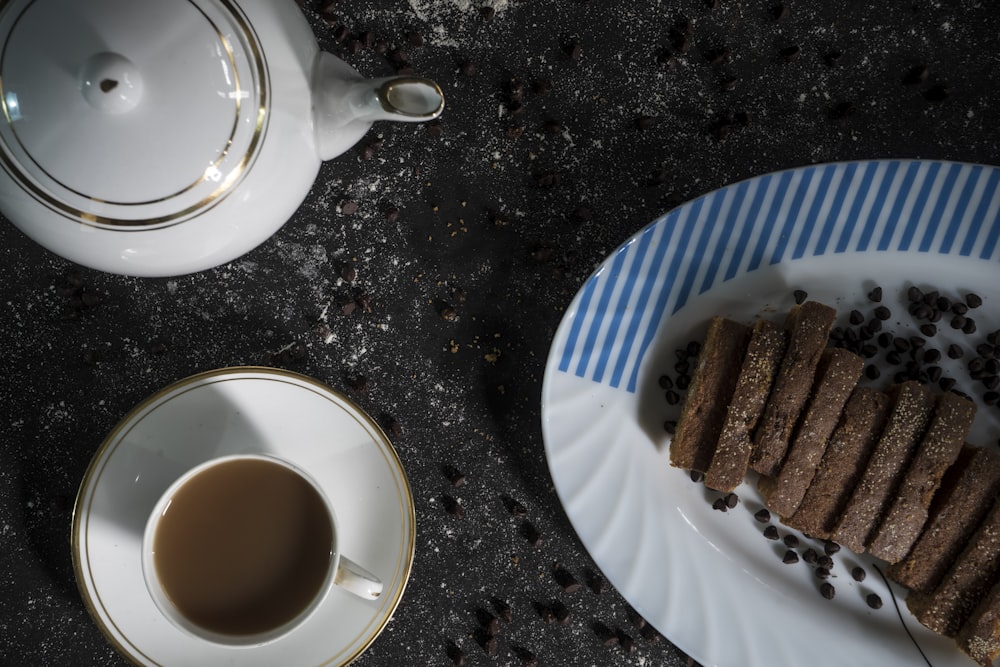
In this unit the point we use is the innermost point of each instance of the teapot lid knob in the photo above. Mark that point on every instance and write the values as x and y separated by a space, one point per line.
111 83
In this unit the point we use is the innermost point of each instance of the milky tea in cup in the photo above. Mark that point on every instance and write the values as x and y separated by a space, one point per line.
241 549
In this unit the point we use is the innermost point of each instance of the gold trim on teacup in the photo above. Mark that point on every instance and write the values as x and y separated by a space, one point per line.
81 509
206 203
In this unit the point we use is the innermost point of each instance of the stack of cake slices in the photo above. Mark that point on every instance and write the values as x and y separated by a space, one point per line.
885 472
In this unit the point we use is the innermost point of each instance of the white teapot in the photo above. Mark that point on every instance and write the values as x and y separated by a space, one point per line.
163 137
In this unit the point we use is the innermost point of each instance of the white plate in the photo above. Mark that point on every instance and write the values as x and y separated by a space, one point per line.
709 580
231 411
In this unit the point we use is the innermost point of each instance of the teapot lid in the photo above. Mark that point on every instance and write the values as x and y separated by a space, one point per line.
129 113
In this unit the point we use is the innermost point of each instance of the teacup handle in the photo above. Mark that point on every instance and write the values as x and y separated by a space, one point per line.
352 577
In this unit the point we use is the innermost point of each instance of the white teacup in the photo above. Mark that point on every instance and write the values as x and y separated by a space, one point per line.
242 549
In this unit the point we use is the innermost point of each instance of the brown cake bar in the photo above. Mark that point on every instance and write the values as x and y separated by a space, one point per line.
760 366
809 326
836 376
712 384
843 463
980 635
945 609
912 406
966 495
939 448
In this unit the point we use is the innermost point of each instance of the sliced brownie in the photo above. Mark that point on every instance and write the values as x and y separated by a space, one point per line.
843 463
760 366
939 448
712 384
980 635
809 326
945 609
836 376
966 495
912 406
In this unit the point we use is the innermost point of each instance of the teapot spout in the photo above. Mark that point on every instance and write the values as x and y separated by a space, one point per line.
345 104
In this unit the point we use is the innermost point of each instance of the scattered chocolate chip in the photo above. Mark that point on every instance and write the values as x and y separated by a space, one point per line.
939 92
595 582
810 556
791 541
790 557
915 75
531 533
827 590
831 547
566 579
762 515
873 600
732 500
858 573
454 475
452 506
973 300
503 609
606 635
455 654
719 504
822 572
527 658
625 641
800 296
348 207
771 533
875 295
790 53
825 561
561 612
515 508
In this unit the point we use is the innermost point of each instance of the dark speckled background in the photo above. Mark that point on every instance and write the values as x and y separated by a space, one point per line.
480 234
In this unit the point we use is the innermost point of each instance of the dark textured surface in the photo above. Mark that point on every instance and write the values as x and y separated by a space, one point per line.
496 232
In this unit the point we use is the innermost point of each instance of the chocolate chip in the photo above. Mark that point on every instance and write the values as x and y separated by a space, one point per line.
955 351
800 296
527 658
454 475
969 327
531 533
873 600
392 214
728 83
566 579
574 50
832 57
790 53
790 557
348 207
666 60
822 572
718 55
939 92
875 295
697 476
915 75
595 582
825 562
973 300
720 505
762 515
605 634
455 654
487 13
452 506
882 313
561 611
827 590
771 533
831 547
810 556
732 500
625 641
515 508
489 622
503 609
791 541
858 573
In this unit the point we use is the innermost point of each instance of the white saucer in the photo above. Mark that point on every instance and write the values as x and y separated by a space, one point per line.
229 411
